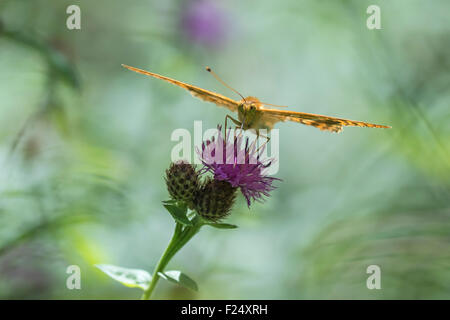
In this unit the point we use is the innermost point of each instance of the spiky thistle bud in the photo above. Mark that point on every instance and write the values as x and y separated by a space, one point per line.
182 182
214 199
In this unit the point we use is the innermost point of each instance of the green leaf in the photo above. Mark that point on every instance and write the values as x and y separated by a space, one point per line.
179 214
180 278
223 225
134 278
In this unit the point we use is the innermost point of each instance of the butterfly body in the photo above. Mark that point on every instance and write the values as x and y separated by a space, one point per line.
251 114
254 114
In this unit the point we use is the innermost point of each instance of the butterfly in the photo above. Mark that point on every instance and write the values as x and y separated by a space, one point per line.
254 114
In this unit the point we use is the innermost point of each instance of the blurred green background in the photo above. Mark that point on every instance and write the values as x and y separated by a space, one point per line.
84 144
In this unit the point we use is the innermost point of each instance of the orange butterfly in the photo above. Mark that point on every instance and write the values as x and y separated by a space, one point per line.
253 114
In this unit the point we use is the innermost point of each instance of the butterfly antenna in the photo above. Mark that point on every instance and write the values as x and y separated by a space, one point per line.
223 82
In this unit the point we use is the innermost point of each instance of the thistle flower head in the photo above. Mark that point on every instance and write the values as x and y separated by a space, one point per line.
182 181
214 199
239 164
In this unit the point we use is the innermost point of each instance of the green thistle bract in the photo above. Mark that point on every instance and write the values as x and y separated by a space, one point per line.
214 199
183 182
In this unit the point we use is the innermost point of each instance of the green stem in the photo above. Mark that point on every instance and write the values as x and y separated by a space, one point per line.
180 237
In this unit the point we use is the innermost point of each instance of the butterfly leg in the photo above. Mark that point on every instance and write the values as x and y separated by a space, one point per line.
263 136
236 122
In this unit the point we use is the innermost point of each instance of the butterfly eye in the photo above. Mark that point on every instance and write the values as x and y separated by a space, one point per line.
252 107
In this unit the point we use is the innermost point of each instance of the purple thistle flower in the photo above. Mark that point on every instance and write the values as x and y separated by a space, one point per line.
203 22
238 164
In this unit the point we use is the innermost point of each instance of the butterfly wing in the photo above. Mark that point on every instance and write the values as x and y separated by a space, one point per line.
271 116
197 92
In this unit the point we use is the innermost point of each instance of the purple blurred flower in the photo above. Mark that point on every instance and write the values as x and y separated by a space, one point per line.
238 164
203 22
